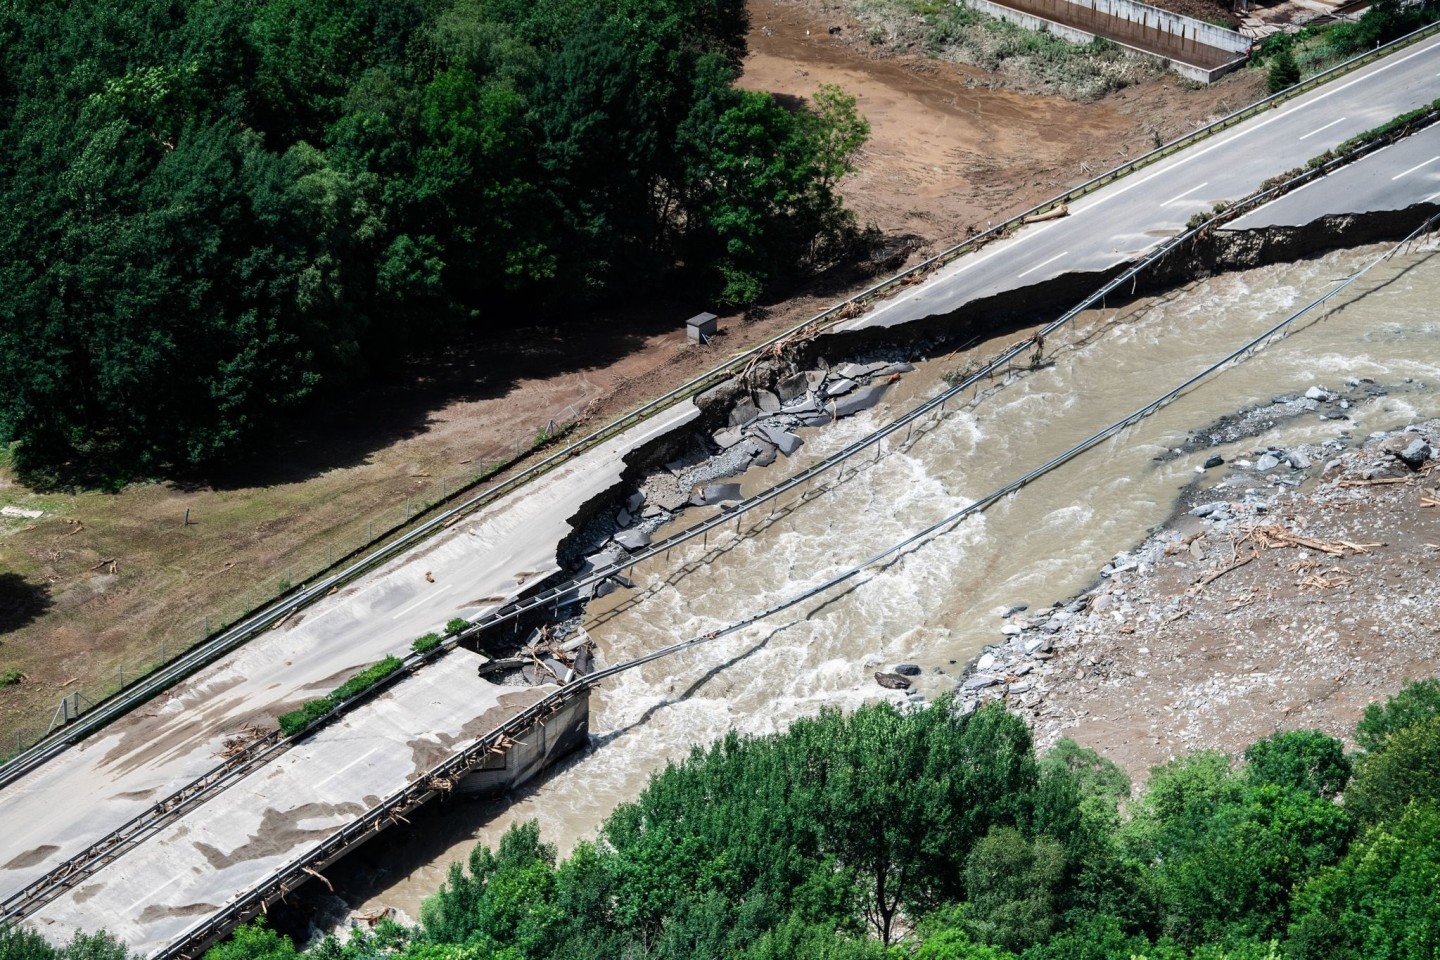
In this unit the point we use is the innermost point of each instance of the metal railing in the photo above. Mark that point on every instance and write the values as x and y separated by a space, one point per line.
141 691
261 751
298 870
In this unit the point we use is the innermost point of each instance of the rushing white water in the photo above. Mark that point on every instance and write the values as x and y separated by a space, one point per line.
936 606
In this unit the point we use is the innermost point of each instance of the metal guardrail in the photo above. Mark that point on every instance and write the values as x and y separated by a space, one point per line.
103 851
199 656
248 904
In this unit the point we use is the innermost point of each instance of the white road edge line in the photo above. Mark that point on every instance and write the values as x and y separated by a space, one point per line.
1431 197
1046 263
1324 128
428 597
1414 168
1187 193
365 756
966 264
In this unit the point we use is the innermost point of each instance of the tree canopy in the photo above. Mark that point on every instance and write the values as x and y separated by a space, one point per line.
218 210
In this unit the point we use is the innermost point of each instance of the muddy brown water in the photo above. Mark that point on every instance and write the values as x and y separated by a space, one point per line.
939 605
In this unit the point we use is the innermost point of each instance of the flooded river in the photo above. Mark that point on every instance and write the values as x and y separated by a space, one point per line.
938 605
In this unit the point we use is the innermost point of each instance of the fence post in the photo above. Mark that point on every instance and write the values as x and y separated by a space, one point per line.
369 530
121 669
330 555
162 651
207 626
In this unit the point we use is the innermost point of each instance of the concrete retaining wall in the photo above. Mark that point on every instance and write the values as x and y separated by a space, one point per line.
1146 18
1172 23
541 745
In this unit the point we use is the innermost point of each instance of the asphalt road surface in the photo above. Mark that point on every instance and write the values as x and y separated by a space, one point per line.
1119 222
477 565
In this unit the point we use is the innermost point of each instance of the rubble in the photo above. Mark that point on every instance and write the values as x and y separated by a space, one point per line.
1259 606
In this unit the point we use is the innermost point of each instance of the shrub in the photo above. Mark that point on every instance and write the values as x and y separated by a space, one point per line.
426 643
1414 704
11 678
1305 759
296 720
1283 72
456 625
1408 768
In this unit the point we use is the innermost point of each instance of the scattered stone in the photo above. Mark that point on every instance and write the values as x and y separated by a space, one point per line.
1317 393
1010 611
985 662
1267 462
1214 460
636 501
767 401
1012 630
836 388
1298 460
892 681
890 369
1206 509
633 539
1415 454
728 437
762 454
978 681
862 399
744 413
907 669
20 513
784 440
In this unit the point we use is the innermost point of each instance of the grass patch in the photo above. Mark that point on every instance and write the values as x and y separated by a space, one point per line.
951 31
297 720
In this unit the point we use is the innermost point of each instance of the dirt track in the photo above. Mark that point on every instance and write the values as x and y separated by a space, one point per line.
947 153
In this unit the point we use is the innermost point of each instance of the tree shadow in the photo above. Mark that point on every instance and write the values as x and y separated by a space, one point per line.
346 428
21 601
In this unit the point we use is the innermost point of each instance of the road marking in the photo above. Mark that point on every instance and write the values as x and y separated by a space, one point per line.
149 895
364 756
1414 168
1162 168
425 599
1039 265
1324 128
1187 193
1437 193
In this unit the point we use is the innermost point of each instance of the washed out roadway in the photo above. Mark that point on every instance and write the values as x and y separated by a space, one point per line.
1123 220
480 563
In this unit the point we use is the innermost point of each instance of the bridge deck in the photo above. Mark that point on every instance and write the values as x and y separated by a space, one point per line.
193 867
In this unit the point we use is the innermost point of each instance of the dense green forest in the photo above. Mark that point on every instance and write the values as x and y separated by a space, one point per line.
889 835
217 208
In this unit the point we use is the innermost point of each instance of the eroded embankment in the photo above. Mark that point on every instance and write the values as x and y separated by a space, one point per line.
1211 253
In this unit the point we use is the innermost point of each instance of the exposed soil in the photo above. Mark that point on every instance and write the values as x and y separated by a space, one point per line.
108 579
1280 608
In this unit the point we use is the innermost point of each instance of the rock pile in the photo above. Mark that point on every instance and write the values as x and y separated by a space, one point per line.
1260 606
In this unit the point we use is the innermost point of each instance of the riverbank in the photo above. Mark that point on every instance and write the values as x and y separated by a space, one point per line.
1290 589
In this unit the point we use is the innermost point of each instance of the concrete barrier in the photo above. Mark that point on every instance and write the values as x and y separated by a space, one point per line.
1192 48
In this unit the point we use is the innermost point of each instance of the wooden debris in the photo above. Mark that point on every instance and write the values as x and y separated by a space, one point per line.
1376 482
319 876
1214 575
1429 502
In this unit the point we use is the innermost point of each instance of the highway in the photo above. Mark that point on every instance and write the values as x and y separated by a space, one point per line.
1117 223
484 561
1393 178
477 565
